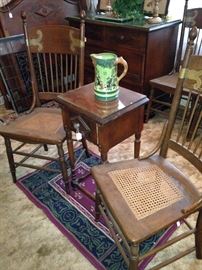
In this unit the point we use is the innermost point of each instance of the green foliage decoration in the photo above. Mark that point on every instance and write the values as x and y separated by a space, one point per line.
129 8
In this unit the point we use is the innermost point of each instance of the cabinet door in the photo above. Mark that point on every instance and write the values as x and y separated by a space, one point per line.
136 64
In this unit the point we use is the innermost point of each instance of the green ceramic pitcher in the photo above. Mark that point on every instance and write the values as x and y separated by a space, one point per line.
106 86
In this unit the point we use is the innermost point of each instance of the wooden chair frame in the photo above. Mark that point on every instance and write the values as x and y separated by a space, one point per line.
42 125
127 218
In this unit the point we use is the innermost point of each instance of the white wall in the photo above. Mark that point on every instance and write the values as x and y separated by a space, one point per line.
175 11
176 7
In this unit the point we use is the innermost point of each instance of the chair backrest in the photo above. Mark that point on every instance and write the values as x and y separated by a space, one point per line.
184 133
194 18
56 59
191 17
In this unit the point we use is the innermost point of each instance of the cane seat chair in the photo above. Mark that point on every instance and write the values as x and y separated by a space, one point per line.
163 88
56 64
141 197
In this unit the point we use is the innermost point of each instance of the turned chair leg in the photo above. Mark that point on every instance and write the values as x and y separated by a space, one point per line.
84 143
97 203
134 255
63 167
45 146
10 158
198 236
149 105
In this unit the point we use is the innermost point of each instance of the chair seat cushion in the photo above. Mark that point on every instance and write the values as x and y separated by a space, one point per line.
43 125
146 195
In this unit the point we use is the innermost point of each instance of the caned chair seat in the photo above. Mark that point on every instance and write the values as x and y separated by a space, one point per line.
137 193
43 125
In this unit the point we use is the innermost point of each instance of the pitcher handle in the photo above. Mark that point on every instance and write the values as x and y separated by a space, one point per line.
120 60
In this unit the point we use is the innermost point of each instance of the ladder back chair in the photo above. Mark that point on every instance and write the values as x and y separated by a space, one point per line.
56 65
139 198
163 88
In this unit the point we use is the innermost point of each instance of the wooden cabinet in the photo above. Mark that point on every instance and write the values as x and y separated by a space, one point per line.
148 49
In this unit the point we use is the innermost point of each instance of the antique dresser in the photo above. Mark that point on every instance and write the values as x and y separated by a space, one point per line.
148 49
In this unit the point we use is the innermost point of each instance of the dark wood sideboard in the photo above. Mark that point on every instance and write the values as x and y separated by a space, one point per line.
148 49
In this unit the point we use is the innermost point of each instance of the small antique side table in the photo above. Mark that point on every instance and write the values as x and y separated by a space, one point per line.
110 122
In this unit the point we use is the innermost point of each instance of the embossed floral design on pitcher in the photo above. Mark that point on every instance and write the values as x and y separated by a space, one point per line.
106 84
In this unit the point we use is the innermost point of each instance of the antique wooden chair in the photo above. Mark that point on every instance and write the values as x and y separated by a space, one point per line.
139 198
56 63
163 88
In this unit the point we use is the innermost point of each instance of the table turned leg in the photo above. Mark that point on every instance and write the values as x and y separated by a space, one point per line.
137 144
103 153
67 127
103 156
70 147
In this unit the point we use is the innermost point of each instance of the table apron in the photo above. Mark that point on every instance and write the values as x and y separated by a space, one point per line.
108 135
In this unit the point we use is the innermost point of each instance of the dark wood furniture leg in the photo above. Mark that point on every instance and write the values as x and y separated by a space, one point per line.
85 146
137 144
138 131
97 203
63 167
10 158
149 104
133 262
67 124
103 154
45 147
198 236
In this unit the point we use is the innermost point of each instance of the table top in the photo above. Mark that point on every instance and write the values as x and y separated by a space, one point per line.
82 100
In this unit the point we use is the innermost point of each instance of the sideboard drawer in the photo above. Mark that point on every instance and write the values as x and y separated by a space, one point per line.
94 33
122 37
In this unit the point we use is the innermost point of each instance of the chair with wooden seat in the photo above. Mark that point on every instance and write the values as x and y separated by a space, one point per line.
140 197
56 64
163 88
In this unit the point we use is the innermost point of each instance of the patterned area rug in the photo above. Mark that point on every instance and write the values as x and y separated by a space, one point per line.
74 215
